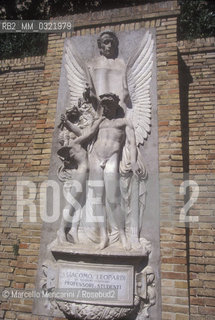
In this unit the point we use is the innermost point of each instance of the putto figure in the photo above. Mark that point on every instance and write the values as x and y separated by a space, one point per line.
74 169
107 86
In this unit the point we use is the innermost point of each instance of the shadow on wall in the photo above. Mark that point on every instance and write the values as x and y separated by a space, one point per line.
185 79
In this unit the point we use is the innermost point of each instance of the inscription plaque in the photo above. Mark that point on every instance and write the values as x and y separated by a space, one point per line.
97 284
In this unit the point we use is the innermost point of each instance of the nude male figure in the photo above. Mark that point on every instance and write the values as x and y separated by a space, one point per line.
104 166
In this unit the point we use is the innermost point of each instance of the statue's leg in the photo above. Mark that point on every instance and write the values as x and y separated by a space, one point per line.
116 217
61 236
72 235
96 183
76 189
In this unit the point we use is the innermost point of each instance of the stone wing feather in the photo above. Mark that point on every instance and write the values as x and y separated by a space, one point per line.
77 73
139 73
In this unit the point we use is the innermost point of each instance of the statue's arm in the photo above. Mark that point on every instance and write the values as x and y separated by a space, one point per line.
71 126
90 134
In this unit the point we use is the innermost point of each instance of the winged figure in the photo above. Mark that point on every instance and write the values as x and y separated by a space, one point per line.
120 92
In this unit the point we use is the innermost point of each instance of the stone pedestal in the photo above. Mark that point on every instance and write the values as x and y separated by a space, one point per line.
103 285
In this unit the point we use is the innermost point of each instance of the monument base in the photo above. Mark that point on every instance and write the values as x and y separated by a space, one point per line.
102 285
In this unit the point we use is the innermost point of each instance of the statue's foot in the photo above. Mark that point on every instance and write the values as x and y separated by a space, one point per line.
54 243
136 245
103 244
61 237
72 236
124 241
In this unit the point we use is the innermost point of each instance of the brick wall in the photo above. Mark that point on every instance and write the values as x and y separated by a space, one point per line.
28 105
21 81
197 61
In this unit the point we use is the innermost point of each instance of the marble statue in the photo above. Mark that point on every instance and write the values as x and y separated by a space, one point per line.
104 163
99 246
100 134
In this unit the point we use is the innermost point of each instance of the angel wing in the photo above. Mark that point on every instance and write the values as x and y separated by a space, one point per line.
77 73
139 73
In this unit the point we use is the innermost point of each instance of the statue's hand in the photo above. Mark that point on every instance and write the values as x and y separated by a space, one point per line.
87 87
63 117
137 171
87 92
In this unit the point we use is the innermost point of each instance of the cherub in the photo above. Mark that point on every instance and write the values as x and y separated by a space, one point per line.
74 172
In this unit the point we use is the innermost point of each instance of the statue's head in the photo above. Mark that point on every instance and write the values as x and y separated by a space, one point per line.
72 154
72 112
108 44
110 104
